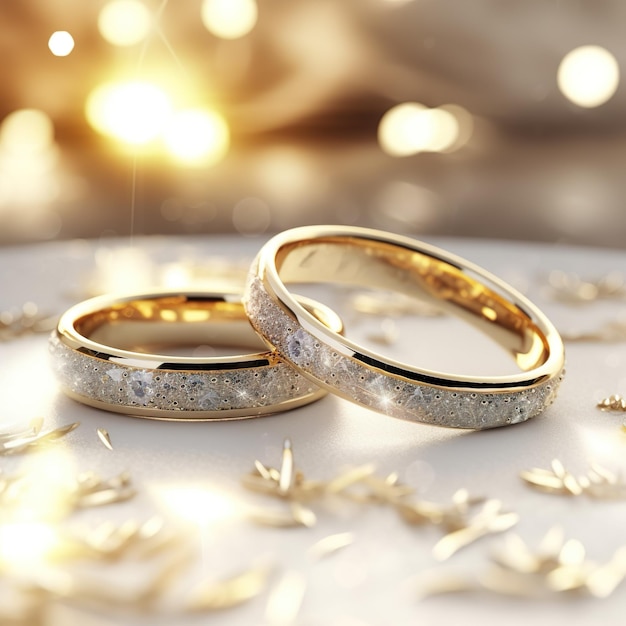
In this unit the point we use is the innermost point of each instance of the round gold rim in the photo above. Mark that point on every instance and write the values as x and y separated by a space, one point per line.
161 386
328 253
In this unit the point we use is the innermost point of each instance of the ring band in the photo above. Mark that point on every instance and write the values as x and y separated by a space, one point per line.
378 260
102 356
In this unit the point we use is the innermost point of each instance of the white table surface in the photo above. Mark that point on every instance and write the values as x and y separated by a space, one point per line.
368 582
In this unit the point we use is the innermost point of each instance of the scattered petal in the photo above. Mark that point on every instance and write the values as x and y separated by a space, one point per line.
451 543
285 599
285 481
613 403
598 483
104 437
572 553
330 544
350 478
557 567
603 581
278 519
546 482
433 584
35 439
303 515
213 595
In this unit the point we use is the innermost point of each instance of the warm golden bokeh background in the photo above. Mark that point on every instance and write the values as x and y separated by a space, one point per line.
483 119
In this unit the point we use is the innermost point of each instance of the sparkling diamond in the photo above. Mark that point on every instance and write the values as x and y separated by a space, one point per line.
420 402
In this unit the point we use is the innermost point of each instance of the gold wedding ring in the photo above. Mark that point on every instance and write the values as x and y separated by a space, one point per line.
107 353
373 259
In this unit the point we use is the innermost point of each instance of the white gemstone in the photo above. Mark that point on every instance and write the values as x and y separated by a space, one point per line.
140 383
115 373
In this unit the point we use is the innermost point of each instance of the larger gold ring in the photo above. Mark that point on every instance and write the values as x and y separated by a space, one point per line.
105 353
374 259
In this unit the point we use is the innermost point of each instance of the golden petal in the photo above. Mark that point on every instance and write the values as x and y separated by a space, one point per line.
285 481
558 468
285 600
105 438
571 484
547 482
212 595
572 553
566 578
303 515
350 477
330 544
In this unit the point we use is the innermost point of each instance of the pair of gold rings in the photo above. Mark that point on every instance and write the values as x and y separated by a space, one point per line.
105 349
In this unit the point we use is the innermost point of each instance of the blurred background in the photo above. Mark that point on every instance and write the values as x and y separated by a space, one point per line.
492 118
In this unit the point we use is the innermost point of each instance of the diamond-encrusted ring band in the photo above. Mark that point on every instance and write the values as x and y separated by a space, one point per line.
376 260
112 353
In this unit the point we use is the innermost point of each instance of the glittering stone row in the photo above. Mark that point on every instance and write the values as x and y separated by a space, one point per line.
173 390
383 392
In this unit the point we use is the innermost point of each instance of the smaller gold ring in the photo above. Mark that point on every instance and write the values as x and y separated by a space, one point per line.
374 259
105 354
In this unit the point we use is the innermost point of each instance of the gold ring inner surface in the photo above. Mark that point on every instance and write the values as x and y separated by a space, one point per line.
178 324
175 324
380 265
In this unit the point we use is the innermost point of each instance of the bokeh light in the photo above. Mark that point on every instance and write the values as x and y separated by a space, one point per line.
26 131
401 204
229 19
392 129
600 446
49 498
410 128
443 129
197 136
133 112
29 175
588 76
287 174
198 504
464 124
61 43
24 545
122 269
124 22
251 217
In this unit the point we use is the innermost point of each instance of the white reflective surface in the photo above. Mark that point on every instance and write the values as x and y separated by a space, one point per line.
369 581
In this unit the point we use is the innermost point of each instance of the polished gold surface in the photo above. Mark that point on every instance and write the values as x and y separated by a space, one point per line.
163 323
170 356
372 259
375 264
376 260
138 326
